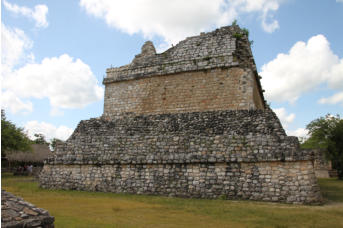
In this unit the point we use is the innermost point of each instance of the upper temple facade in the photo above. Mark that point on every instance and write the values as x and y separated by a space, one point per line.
209 72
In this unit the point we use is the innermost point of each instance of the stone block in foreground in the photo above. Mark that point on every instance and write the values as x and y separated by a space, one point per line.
15 212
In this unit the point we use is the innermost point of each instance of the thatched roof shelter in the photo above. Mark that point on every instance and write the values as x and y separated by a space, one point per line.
38 154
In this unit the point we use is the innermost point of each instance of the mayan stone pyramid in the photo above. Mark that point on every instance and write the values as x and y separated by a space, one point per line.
190 122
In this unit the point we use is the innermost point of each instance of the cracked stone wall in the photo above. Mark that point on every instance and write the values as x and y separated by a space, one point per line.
190 122
217 89
241 154
290 182
213 71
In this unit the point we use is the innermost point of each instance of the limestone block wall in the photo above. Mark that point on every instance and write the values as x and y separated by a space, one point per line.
321 165
216 136
291 182
191 122
241 154
212 71
217 49
216 89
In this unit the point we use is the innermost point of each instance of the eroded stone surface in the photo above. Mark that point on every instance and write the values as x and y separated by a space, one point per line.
290 182
216 89
15 212
216 49
213 71
190 122
235 154
217 136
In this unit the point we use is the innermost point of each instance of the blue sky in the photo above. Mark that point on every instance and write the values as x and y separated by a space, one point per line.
55 53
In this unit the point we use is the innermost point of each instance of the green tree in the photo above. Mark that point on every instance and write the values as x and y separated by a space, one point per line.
327 133
40 139
12 138
335 148
320 131
53 143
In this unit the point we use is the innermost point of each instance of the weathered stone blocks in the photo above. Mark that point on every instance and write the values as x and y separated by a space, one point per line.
190 122
235 154
267 181
218 89
15 212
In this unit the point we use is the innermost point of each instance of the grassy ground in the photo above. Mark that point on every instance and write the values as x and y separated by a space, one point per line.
95 209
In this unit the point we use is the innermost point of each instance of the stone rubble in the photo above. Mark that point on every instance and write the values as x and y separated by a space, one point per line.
17 213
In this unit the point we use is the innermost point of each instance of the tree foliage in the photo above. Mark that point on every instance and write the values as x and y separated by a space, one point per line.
40 139
327 133
320 131
12 138
53 143
335 148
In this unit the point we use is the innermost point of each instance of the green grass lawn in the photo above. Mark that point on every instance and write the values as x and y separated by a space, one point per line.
96 209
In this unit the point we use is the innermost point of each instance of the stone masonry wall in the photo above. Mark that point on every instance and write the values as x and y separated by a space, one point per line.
291 182
216 136
217 89
321 164
191 122
207 51
237 154
218 49
213 71
257 98
15 212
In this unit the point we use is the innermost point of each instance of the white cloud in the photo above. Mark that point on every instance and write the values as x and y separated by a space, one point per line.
284 117
48 130
14 47
38 14
301 133
271 26
10 101
174 20
335 99
341 1
335 79
265 7
66 82
304 68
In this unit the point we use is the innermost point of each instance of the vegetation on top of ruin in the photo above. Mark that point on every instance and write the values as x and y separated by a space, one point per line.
243 32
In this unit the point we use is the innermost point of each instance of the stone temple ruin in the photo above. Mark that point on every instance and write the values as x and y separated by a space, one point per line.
189 122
